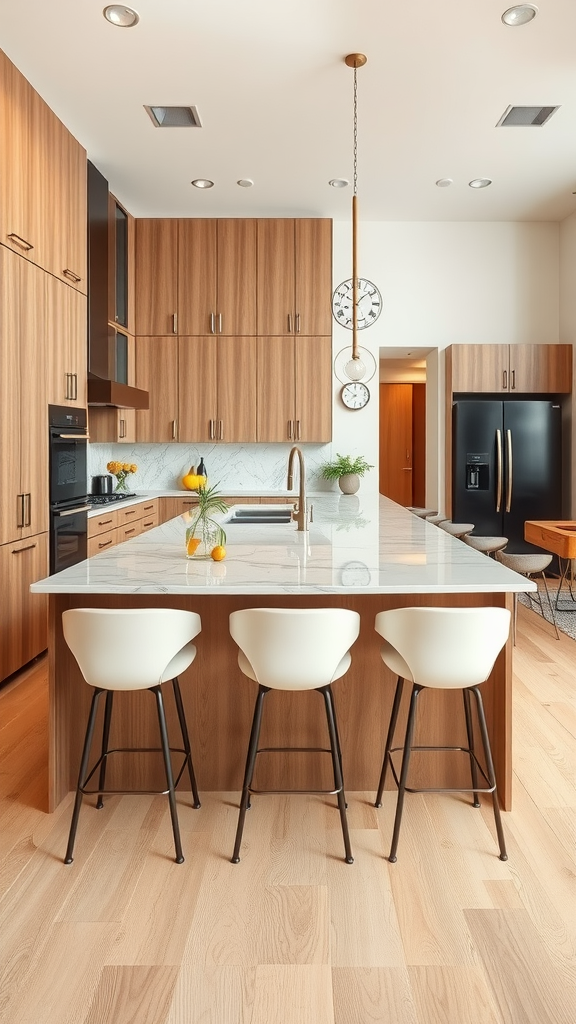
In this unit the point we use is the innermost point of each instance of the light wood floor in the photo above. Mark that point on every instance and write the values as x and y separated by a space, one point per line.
293 935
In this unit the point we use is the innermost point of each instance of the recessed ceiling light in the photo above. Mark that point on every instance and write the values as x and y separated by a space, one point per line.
519 15
480 182
338 182
444 182
122 17
245 182
202 183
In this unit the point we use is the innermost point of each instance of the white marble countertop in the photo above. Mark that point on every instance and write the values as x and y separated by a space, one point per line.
356 543
230 492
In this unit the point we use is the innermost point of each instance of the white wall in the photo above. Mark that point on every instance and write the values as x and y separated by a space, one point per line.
568 316
442 283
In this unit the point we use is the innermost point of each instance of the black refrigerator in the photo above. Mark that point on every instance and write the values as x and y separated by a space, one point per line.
506 466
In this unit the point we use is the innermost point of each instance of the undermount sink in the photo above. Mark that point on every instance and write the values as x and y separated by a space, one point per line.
260 515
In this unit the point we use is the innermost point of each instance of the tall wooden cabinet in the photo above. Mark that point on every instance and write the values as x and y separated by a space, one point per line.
509 369
156 277
64 337
294 389
217 277
294 277
24 615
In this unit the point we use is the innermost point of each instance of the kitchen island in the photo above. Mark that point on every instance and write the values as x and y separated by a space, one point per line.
364 553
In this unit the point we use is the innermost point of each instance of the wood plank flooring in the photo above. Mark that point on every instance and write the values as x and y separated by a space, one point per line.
292 934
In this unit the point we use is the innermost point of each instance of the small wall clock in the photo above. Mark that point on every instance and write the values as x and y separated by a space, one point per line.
355 395
369 304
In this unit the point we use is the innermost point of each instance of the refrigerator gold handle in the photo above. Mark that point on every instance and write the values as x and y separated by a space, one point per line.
509 476
498 470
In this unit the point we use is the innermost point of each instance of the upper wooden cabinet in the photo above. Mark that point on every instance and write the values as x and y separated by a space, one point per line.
157 373
156 277
294 277
65 332
23 398
217 277
294 389
520 369
42 182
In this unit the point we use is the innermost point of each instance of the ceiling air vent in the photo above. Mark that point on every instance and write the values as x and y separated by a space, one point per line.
174 117
525 117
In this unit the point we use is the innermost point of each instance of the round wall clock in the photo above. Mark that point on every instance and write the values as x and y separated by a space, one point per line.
355 395
369 305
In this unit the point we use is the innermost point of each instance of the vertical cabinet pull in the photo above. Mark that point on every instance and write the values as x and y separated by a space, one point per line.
211 430
174 429
75 391
289 323
297 323
20 510
504 380
122 428
220 430
220 323
513 380
290 433
28 509
174 323
212 324
297 430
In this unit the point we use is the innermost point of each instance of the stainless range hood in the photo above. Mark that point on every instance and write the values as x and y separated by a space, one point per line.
103 387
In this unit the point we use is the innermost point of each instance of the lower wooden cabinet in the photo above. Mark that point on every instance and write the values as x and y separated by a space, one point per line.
112 527
24 615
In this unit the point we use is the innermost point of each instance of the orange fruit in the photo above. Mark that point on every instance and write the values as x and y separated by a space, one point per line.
218 553
192 545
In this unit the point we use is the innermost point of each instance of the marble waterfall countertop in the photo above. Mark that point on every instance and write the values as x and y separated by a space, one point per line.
365 544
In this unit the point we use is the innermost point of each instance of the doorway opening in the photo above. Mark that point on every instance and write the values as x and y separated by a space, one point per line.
402 426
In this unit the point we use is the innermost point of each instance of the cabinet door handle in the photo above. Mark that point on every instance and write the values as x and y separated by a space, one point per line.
148 507
122 428
104 522
219 323
220 430
130 512
289 323
290 436
211 430
147 523
104 544
28 509
21 242
18 551
75 377
297 323
504 380
74 511
131 530
72 276
513 381
174 323
20 512
297 430
68 395
174 429
212 324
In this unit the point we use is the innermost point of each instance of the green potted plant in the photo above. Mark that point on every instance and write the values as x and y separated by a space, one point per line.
347 471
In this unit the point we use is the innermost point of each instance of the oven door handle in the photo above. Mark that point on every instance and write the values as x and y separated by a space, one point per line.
73 437
73 511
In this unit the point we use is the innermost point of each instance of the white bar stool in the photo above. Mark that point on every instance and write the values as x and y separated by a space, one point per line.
437 519
458 530
422 513
530 565
487 545
294 649
131 649
441 648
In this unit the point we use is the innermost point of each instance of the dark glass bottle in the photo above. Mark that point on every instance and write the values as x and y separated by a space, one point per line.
201 471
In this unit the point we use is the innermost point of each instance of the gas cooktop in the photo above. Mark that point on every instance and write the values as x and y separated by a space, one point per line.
105 499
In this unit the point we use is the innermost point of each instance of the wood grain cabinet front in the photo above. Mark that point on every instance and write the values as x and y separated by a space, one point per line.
509 369
157 373
217 277
156 277
294 389
294 277
24 615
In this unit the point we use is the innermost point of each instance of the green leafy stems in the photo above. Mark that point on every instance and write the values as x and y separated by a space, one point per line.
342 465
209 504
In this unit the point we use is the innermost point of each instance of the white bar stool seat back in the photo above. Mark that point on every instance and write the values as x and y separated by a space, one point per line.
441 648
294 649
132 649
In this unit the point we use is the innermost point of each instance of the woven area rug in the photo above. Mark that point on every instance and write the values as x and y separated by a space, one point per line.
566 612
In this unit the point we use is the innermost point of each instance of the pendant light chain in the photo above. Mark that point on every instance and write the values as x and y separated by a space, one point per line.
355 61
355 133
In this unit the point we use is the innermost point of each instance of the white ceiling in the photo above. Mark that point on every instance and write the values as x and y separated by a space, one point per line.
275 98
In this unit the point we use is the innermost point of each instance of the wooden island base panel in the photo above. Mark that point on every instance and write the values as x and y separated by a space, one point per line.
406 562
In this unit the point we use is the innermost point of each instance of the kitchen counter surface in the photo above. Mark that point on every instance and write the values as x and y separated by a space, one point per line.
355 545
290 496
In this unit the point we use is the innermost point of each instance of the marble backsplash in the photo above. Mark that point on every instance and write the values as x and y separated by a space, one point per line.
251 466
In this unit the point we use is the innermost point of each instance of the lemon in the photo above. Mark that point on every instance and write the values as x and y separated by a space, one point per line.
218 553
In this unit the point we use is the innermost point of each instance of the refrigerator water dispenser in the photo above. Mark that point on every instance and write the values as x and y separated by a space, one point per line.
477 471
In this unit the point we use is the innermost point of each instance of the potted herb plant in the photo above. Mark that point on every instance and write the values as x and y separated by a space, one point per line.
347 471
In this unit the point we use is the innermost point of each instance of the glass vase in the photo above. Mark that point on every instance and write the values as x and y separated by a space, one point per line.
121 484
201 539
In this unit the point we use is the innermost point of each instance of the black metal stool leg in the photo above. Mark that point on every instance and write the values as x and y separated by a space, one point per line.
169 776
389 739
105 738
404 772
490 771
185 740
82 775
249 770
337 766
470 735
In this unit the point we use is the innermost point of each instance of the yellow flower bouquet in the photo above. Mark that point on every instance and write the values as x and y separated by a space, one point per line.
121 470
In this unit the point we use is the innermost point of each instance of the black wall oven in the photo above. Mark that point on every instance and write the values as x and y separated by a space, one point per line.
68 486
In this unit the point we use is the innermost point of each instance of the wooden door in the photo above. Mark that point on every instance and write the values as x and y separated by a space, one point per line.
65 334
419 445
77 310
197 382
10 432
237 389
313 389
396 442
33 398
157 373
156 277
480 368
313 268
24 615
17 221
276 389
73 202
236 298
197 299
275 287
541 369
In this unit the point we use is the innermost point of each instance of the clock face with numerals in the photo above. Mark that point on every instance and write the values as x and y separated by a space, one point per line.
355 395
368 306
